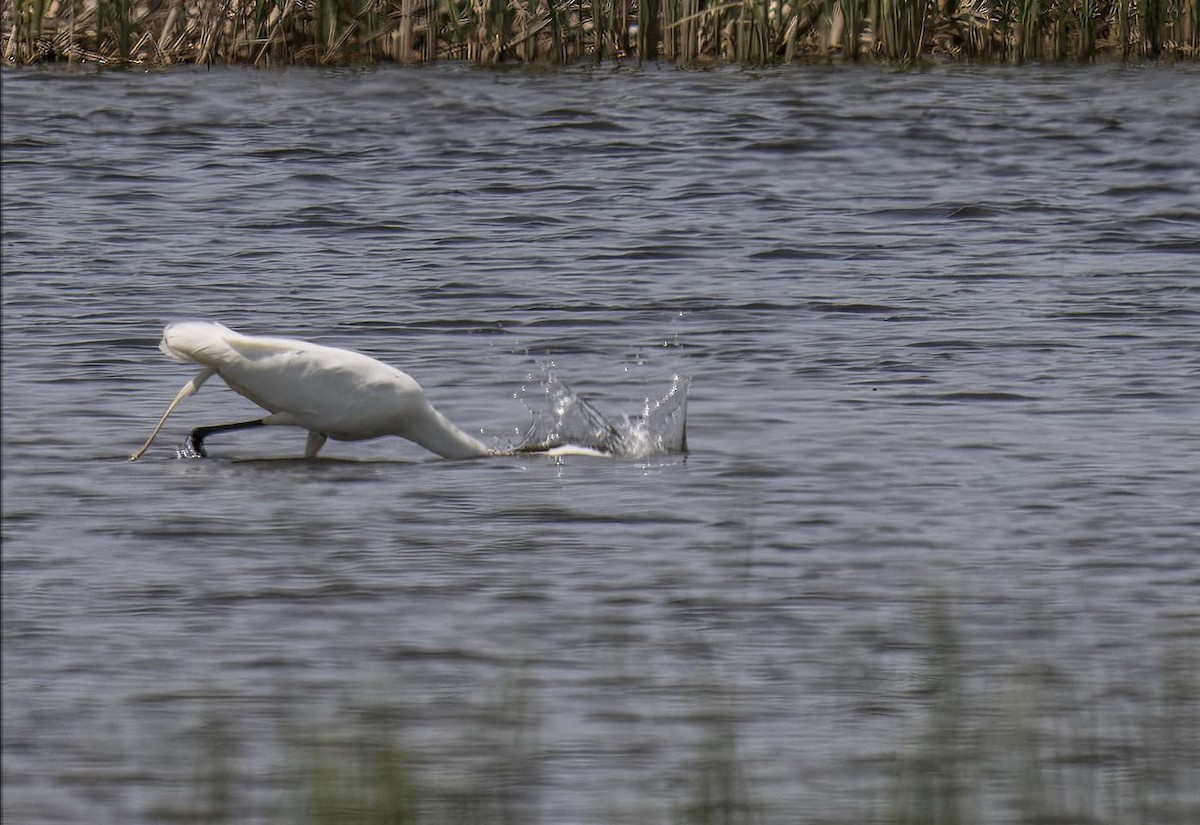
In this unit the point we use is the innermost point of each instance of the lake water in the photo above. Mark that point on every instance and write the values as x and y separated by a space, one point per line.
943 335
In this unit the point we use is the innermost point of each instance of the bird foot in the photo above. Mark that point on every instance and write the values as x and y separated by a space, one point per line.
191 448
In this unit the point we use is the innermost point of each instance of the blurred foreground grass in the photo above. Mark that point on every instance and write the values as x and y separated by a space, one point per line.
1030 749
1036 749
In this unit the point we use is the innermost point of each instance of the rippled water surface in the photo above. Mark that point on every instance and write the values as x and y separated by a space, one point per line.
943 333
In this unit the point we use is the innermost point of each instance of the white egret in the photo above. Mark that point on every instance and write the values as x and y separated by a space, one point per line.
332 393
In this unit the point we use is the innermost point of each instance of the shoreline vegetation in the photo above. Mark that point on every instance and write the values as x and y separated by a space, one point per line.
157 33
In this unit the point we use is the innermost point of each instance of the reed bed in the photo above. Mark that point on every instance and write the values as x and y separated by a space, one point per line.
688 32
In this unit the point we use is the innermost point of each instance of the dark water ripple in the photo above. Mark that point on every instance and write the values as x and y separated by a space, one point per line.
942 330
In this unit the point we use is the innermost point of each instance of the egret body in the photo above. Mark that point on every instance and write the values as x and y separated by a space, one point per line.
330 392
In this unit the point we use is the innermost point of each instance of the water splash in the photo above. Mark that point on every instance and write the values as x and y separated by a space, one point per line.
561 417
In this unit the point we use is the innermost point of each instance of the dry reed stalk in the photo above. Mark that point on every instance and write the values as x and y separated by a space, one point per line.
853 14
900 28
1151 19
1089 25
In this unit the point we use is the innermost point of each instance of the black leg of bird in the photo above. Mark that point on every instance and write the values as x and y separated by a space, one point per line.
193 447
